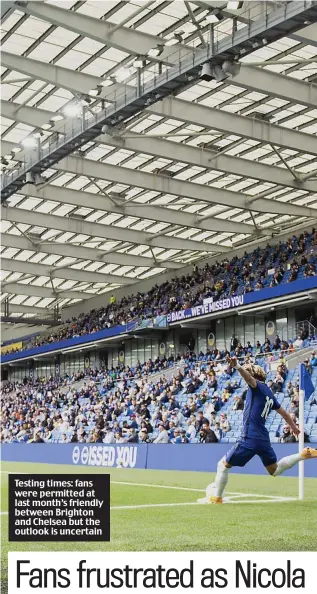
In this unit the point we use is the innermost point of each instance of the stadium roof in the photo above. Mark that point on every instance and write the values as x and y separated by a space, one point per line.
216 165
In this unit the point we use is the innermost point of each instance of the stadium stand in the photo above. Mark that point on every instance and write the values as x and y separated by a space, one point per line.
282 263
201 401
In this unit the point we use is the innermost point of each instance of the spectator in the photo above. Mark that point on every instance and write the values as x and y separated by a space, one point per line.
224 423
200 421
191 430
238 403
298 343
313 359
277 384
133 436
162 436
287 435
308 366
177 438
216 280
233 343
294 409
289 389
184 437
207 435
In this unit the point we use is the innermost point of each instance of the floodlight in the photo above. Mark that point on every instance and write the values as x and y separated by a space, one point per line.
38 179
29 178
232 68
29 141
219 74
72 110
206 72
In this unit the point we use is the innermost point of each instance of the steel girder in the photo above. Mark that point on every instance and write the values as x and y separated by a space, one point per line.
273 26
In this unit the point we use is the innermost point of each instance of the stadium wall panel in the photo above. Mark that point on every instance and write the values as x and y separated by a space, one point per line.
196 457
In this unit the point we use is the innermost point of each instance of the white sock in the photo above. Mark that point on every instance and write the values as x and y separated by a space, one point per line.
221 479
286 463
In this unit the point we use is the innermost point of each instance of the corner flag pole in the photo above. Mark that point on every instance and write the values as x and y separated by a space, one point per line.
306 389
301 466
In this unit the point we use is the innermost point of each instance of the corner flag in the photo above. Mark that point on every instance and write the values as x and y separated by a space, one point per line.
306 388
305 382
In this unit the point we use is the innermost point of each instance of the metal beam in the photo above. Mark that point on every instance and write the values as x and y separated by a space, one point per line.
276 85
84 253
202 158
230 123
31 116
43 292
252 78
167 185
64 273
15 319
120 107
257 79
72 80
123 38
139 43
25 309
308 35
154 213
163 148
107 232
195 22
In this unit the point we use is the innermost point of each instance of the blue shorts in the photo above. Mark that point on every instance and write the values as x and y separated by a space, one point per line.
244 450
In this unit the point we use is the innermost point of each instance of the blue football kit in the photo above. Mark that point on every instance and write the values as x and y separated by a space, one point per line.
255 438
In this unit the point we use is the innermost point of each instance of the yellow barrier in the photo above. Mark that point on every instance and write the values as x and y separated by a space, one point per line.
11 347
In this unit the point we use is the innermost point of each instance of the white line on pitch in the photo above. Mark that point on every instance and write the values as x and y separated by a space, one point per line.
229 501
280 499
132 484
238 494
157 486
150 505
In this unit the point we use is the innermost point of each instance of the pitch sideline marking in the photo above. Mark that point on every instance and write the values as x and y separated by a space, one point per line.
229 501
233 493
237 494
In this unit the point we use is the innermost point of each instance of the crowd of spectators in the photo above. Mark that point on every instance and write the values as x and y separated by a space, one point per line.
254 271
125 405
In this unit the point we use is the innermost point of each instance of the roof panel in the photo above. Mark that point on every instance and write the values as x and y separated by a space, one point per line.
89 56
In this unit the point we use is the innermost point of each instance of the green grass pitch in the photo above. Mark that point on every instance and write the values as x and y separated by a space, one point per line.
147 517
